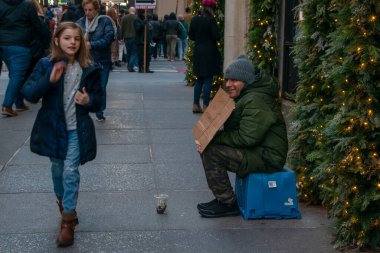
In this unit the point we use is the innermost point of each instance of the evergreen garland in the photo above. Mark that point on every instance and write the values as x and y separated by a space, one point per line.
219 17
354 132
314 105
262 45
336 134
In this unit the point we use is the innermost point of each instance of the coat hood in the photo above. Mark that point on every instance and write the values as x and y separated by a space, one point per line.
263 84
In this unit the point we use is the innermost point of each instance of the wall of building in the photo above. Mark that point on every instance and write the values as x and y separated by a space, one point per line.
235 29
167 6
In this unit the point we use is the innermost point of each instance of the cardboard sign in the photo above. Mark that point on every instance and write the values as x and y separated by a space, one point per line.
213 118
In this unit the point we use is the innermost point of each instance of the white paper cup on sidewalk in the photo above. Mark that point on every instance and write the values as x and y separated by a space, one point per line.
161 202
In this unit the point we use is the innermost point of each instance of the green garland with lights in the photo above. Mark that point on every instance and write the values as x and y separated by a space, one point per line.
219 17
262 44
314 105
336 137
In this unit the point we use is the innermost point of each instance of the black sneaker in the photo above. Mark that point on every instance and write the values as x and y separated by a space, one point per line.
202 206
100 118
220 210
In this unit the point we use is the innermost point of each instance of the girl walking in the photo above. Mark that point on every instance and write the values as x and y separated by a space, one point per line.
70 88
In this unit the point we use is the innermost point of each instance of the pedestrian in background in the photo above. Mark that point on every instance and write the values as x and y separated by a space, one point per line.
99 31
187 16
172 29
39 46
207 59
112 13
74 12
70 88
129 35
164 45
156 36
182 38
18 21
140 25
122 51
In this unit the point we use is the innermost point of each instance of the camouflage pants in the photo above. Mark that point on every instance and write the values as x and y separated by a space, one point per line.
217 161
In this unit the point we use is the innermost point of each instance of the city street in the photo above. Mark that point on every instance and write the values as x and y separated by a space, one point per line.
145 147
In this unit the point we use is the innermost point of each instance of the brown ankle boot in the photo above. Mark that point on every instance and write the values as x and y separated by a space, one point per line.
60 206
66 235
204 107
197 108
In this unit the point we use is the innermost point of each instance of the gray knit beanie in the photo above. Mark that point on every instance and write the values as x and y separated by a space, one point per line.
241 69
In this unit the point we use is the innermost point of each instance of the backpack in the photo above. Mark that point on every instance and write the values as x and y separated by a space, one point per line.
183 33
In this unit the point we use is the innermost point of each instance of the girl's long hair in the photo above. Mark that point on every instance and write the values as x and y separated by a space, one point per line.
83 54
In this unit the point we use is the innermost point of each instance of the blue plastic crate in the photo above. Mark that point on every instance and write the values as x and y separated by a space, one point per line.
268 195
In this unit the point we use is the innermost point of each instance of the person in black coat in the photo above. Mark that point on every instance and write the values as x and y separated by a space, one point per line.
156 35
140 25
74 12
206 59
39 46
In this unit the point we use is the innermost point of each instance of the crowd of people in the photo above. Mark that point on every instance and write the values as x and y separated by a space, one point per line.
166 38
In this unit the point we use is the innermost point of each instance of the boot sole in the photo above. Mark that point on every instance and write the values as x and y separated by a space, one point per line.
202 207
226 214
62 245
7 114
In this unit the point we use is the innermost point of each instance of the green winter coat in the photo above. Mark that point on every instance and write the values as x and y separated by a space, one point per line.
257 127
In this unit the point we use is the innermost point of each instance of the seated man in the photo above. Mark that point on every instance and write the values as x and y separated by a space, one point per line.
253 139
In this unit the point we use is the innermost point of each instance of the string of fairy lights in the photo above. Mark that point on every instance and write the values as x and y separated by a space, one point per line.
346 164
262 41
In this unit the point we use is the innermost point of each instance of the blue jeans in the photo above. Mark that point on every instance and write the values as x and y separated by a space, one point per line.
104 74
17 59
184 47
131 47
206 82
66 175
180 49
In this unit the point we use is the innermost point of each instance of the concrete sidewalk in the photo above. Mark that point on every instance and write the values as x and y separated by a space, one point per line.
145 147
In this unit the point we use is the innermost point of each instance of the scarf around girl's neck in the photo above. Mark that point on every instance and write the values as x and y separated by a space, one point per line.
92 25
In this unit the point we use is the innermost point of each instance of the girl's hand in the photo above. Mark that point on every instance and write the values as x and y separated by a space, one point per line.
81 98
57 71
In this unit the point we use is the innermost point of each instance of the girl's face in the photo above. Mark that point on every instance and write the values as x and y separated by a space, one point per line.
69 42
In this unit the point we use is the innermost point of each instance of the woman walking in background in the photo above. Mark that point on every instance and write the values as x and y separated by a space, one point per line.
112 13
39 45
207 60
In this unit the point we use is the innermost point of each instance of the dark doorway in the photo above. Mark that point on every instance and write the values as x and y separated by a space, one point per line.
290 76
